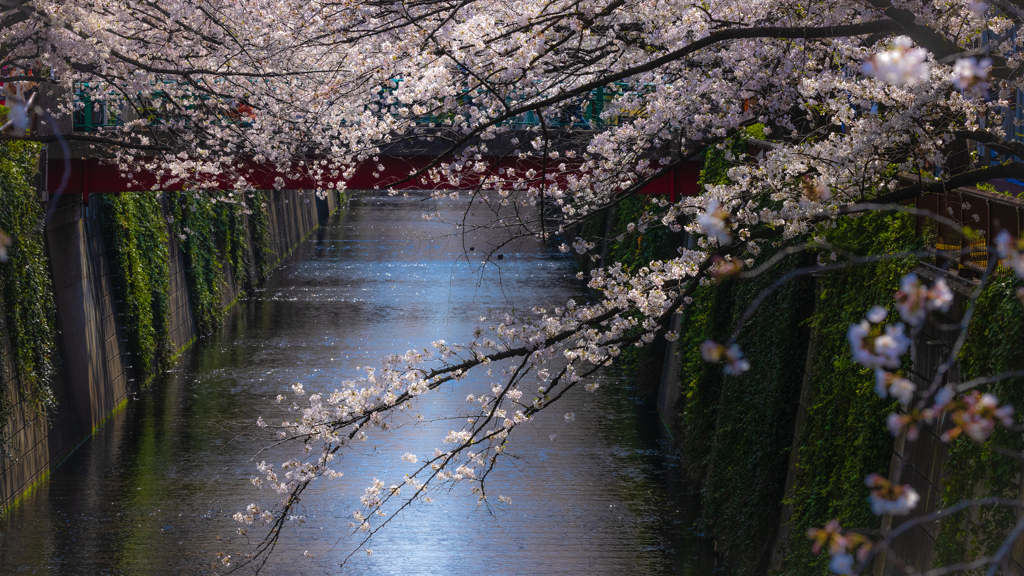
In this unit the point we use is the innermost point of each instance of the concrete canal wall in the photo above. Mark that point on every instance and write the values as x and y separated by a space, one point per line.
96 375
787 446
923 463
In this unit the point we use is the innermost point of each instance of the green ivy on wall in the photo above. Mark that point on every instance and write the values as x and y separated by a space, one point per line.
708 317
26 289
137 237
259 227
209 233
637 249
700 384
976 470
748 430
844 435
742 480
718 161
735 434
193 219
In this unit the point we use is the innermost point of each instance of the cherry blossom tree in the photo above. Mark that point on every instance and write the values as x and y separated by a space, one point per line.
569 107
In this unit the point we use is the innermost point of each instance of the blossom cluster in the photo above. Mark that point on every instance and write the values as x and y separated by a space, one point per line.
215 94
882 349
889 498
735 363
842 546
914 300
901 64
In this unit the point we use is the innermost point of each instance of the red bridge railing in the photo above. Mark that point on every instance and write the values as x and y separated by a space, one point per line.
88 176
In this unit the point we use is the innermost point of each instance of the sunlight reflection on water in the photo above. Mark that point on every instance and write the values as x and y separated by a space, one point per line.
152 491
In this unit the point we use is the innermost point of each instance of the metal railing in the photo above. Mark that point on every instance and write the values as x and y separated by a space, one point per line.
97 110
985 213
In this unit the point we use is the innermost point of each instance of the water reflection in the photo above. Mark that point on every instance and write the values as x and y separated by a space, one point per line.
153 491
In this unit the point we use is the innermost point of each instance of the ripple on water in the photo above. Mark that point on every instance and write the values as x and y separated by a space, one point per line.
152 491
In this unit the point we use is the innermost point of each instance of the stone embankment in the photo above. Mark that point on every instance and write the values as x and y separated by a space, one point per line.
787 446
96 374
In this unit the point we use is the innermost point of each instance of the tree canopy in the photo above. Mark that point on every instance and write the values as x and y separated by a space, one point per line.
568 107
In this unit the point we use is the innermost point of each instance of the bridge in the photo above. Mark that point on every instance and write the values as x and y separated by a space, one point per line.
89 172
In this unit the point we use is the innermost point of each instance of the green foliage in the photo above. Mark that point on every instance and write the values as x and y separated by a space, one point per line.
640 247
746 464
137 237
193 222
229 227
636 250
735 432
976 470
26 289
844 436
208 232
259 226
707 318
717 162
212 232
986 187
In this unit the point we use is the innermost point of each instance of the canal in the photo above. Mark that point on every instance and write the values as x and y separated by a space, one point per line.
153 491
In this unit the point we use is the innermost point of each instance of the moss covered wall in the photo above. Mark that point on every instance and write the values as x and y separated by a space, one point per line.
787 446
844 437
33 392
125 293
994 345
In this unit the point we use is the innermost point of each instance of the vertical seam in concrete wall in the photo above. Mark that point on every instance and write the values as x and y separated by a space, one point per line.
806 395
101 384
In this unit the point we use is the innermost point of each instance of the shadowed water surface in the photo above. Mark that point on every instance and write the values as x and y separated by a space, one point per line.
154 490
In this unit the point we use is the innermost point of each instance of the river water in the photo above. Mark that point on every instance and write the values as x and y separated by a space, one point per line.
153 491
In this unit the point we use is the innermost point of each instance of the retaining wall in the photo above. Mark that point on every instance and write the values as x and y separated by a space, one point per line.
919 463
96 375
